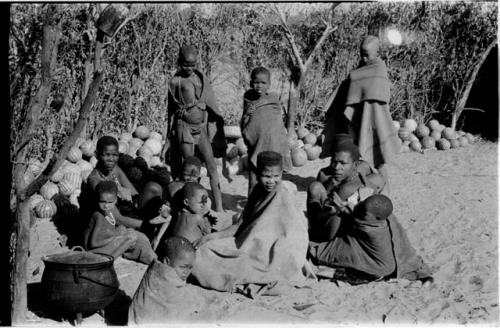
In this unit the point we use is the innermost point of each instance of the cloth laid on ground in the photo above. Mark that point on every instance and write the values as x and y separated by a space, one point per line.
262 127
365 96
215 123
375 248
270 246
102 236
163 297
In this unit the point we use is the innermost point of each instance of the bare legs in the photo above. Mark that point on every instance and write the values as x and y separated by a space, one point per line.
382 169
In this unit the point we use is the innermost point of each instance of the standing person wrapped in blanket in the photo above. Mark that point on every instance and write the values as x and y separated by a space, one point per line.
264 252
194 121
375 249
361 107
262 124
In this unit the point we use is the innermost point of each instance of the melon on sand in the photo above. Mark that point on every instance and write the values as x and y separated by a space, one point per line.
448 133
145 152
87 148
396 124
413 138
74 154
154 145
126 137
302 132
242 148
142 132
443 144
463 141
433 124
155 135
135 142
428 142
436 135
404 134
123 147
410 124
470 137
405 146
310 139
416 146
454 143
298 144
45 209
313 152
422 131
156 162
299 157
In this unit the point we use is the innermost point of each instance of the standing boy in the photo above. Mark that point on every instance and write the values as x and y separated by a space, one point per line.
194 121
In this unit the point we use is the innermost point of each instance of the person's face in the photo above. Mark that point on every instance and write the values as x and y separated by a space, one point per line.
107 201
198 203
190 173
182 264
187 64
109 157
368 52
343 165
260 83
269 177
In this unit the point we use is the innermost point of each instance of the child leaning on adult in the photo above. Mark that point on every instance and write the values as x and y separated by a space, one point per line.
352 226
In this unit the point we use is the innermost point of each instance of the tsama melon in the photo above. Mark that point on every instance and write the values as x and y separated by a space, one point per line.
141 132
74 154
299 157
298 144
34 200
145 152
404 134
416 146
410 124
436 135
135 142
470 137
396 124
154 145
49 190
45 209
443 144
413 138
454 143
463 141
36 167
126 137
448 133
302 132
422 131
93 161
156 162
313 153
123 147
87 148
57 176
433 124
155 135
73 178
66 188
428 142
310 139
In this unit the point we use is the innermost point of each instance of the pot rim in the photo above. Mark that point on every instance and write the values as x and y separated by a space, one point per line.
71 266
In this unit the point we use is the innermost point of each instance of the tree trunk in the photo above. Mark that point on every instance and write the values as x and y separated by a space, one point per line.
292 107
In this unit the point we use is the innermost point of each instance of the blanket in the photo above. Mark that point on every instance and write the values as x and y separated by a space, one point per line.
360 107
215 123
163 297
262 127
378 250
270 246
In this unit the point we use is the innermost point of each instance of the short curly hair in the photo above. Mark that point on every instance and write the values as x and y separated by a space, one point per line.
173 246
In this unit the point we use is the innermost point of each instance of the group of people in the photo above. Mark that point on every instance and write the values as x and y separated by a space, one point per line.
271 247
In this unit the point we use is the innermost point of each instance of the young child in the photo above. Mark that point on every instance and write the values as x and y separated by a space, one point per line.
365 107
108 170
194 121
192 222
346 176
163 295
262 124
191 168
106 235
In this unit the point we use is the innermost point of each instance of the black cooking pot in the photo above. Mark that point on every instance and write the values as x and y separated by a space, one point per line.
79 282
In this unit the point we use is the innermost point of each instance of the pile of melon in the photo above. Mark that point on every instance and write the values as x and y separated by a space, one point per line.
80 161
236 152
304 145
419 137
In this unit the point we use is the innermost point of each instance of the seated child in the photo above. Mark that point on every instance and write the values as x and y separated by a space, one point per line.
262 124
108 170
192 222
163 295
191 168
105 234
372 245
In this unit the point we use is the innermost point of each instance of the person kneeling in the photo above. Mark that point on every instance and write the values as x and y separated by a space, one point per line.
163 294
105 235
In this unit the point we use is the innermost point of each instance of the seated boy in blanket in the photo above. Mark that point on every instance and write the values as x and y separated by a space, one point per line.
108 170
191 172
163 294
193 221
107 235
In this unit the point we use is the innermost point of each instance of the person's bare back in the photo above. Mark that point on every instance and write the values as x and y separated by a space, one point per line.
191 226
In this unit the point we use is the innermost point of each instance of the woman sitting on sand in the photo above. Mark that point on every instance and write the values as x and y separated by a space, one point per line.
359 233
266 249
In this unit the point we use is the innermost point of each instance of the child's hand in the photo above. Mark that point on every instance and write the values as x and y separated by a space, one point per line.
158 220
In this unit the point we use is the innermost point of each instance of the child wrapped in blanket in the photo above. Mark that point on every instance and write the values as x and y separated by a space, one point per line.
105 234
163 294
262 124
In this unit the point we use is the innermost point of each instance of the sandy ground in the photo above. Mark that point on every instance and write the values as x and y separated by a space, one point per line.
447 201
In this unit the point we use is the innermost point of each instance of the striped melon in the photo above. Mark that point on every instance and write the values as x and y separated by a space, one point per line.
154 145
66 188
126 137
36 167
93 161
123 147
57 176
49 190
142 132
74 154
45 209
145 152
34 200
155 135
136 143
87 148
74 178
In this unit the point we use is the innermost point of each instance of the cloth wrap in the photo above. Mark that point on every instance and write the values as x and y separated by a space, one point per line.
186 132
361 107
262 127
163 297
269 246
363 249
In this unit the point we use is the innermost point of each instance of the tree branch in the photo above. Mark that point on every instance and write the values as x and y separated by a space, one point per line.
329 29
